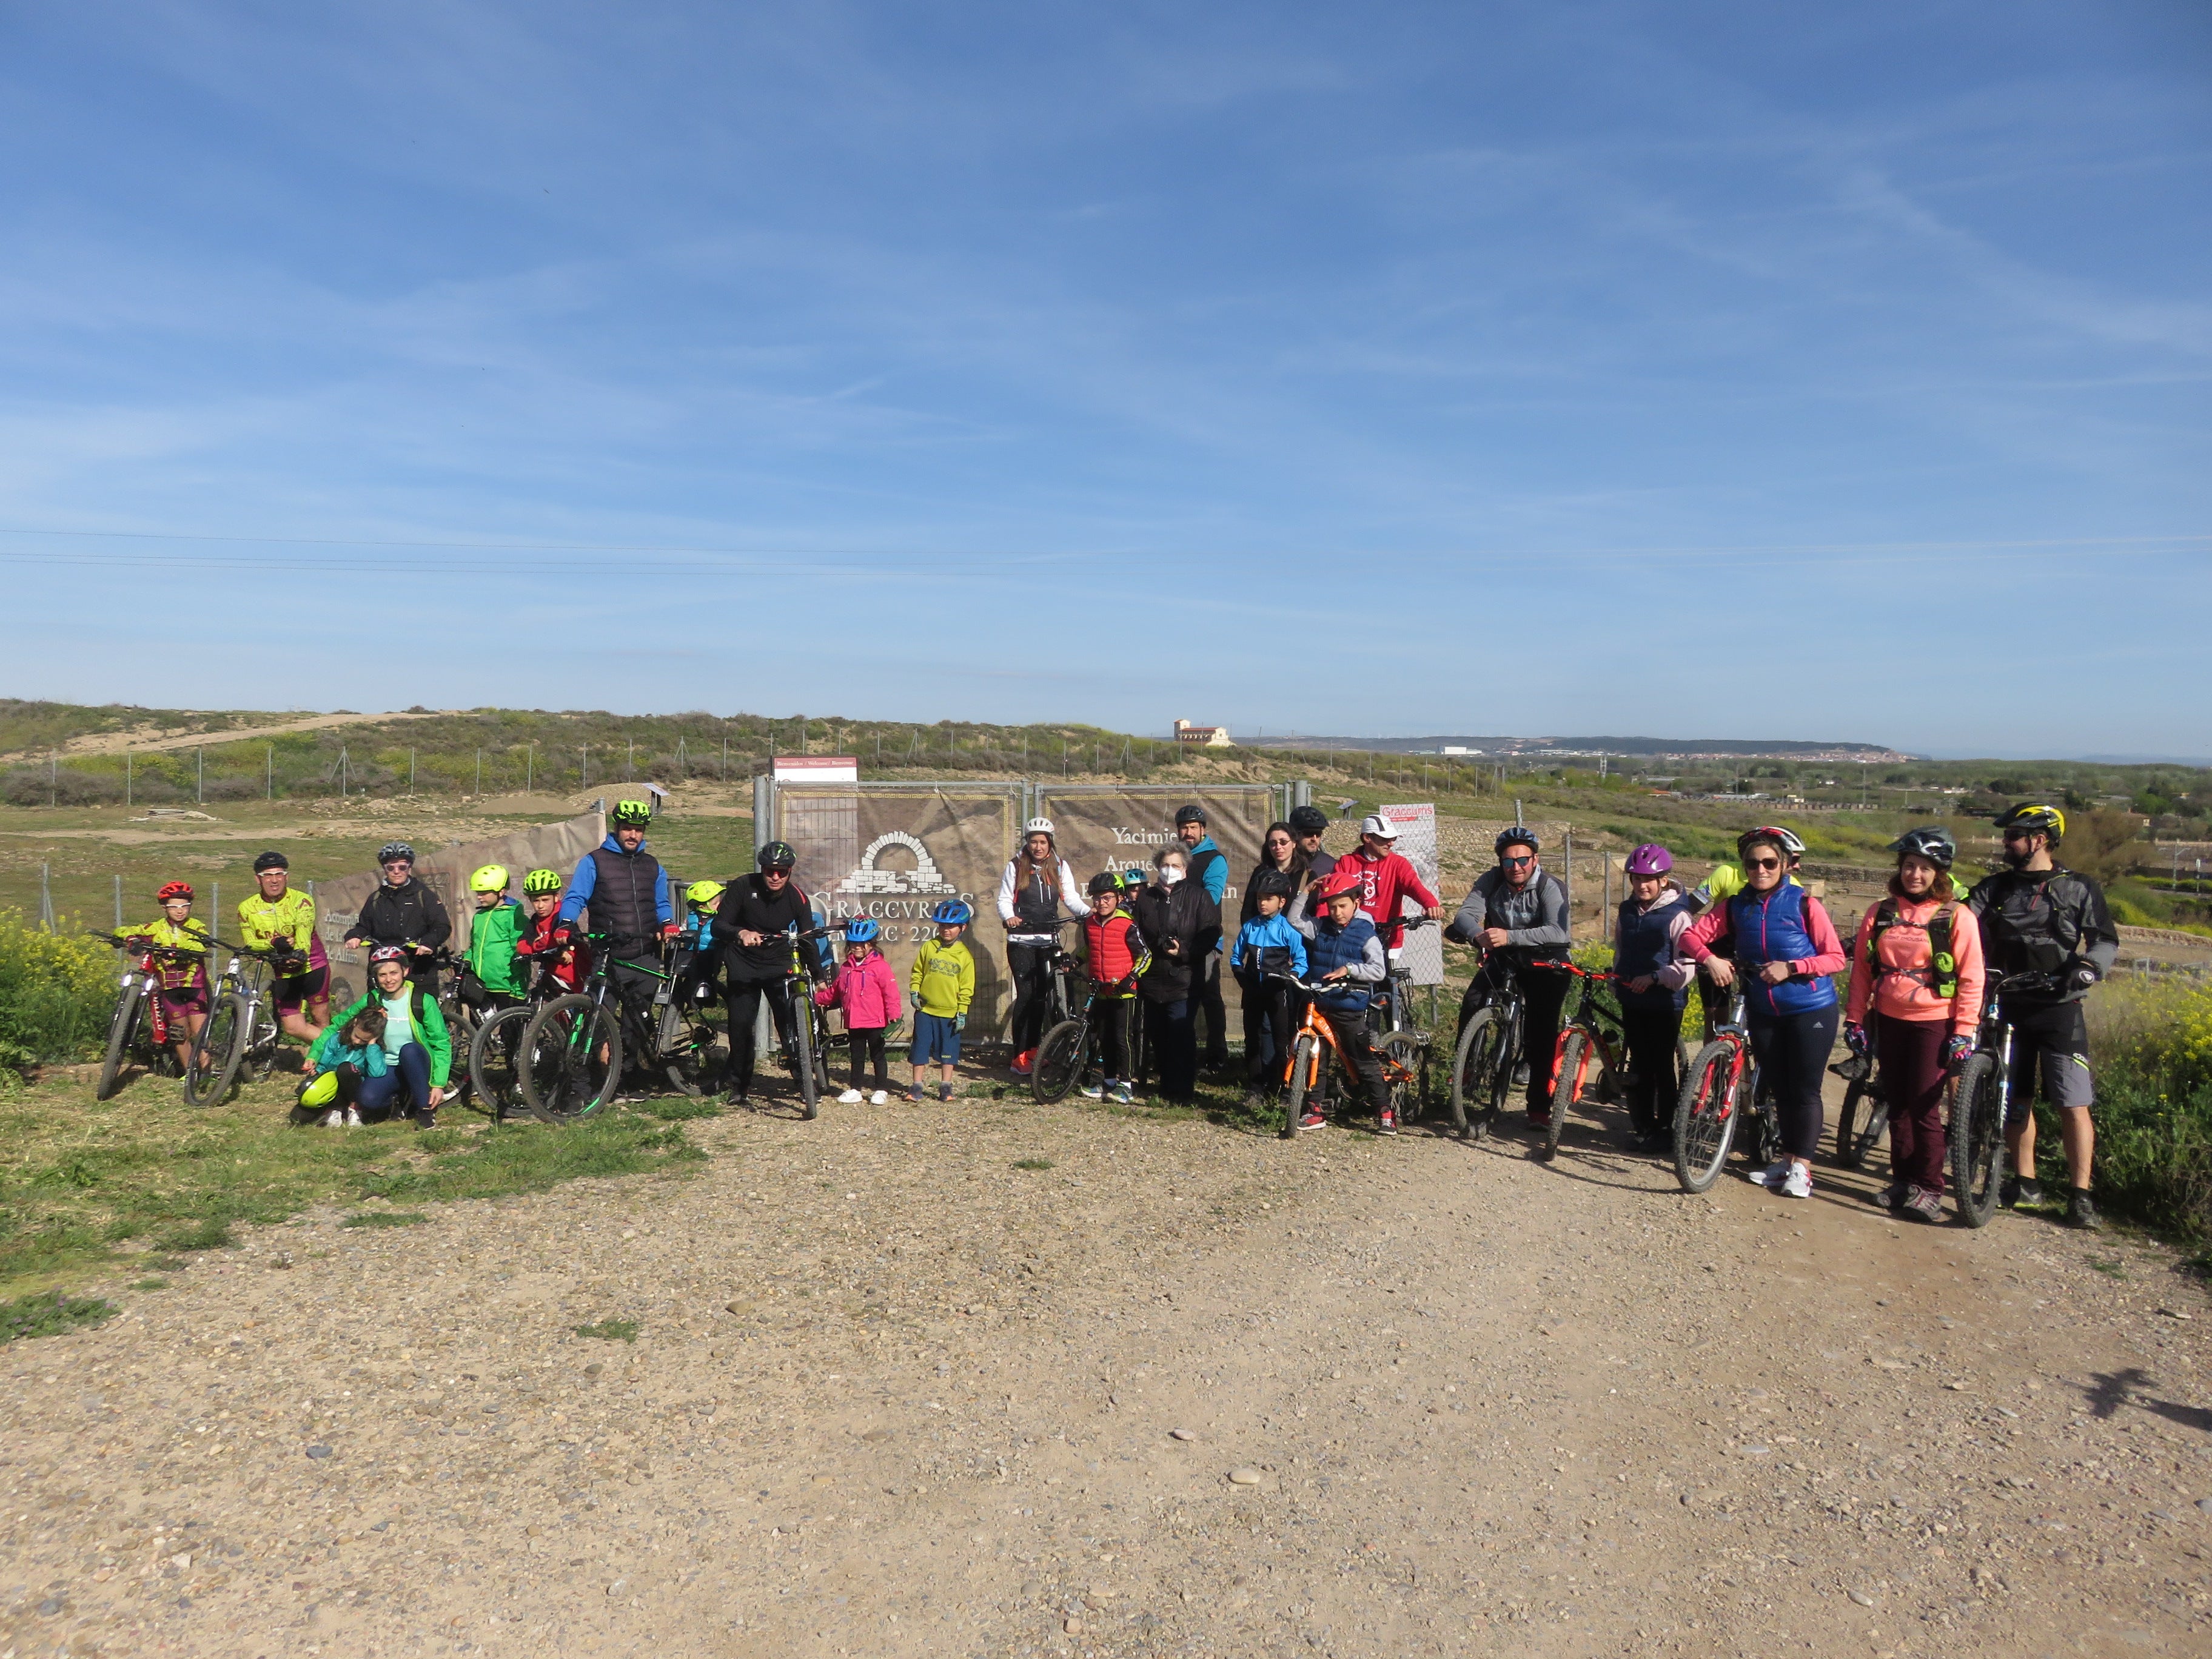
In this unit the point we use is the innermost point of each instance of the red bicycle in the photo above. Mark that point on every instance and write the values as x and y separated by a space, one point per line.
140 1029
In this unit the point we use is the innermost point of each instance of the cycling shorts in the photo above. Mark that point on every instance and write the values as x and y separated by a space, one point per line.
192 999
294 991
2056 1041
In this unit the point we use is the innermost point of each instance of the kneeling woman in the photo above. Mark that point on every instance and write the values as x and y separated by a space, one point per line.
1787 948
418 1053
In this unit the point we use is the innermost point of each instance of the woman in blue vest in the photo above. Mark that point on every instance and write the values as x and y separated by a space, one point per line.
1653 978
1786 948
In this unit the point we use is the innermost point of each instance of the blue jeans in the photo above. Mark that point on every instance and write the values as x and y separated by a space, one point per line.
379 1095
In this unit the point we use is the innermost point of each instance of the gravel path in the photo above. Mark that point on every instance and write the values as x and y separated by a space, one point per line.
1185 1390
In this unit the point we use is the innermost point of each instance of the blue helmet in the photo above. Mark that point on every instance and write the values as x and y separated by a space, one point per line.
861 930
953 912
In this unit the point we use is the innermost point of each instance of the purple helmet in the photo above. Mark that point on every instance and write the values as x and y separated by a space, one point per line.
1650 859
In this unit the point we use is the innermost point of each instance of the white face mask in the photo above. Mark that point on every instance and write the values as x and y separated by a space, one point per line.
1170 874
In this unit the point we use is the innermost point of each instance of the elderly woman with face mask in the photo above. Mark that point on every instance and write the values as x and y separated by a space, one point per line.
1178 919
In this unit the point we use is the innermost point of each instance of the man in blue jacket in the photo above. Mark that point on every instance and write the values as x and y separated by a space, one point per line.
626 891
1210 865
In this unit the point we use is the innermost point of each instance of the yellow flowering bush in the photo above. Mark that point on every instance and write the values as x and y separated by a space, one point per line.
57 992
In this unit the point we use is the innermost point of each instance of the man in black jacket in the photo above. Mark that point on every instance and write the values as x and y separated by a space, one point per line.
752 925
404 912
2040 918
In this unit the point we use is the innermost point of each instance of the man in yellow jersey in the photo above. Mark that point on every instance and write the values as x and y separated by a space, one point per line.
275 918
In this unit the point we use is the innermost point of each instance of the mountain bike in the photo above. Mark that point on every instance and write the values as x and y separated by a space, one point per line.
240 1035
1069 1047
493 1073
139 1030
1489 1048
1864 1115
1721 1090
1590 1030
1981 1097
1313 1082
576 1046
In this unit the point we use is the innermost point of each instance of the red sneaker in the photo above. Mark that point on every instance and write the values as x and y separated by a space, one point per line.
1312 1120
1386 1122
1024 1062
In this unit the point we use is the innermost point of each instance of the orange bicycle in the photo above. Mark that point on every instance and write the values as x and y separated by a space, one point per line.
1313 1081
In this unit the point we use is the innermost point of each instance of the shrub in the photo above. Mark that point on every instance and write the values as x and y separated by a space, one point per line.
32 785
2151 1046
56 990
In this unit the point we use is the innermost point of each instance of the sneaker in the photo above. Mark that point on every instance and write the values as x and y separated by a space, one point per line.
1024 1062
1890 1197
1096 1090
1121 1096
353 1117
1923 1206
851 1097
880 1097
1386 1122
426 1119
1775 1173
945 1092
1313 1119
1653 1141
1798 1183
331 1118
2083 1213
914 1095
1540 1117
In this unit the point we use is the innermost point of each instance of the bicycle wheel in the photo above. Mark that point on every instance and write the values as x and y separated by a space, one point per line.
1977 1139
1058 1064
571 1059
687 1051
802 1062
1477 1077
493 1073
1860 1122
1704 1117
1569 1087
1303 1073
1409 1095
216 1051
122 1032
461 1028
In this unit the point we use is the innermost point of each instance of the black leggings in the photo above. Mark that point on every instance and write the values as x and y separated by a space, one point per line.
1268 1027
1652 1034
1030 967
1792 1050
868 1045
745 1013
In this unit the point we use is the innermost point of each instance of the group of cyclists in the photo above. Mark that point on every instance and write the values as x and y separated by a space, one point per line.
1315 935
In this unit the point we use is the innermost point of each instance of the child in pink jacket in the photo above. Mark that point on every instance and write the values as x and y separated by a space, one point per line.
867 990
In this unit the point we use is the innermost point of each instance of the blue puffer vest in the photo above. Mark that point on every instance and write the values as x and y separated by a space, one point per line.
1772 928
1640 949
1334 947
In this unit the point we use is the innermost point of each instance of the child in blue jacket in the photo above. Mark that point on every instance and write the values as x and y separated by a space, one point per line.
1265 944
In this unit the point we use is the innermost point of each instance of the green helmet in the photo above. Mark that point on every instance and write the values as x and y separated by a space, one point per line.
492 878
630 812
541 881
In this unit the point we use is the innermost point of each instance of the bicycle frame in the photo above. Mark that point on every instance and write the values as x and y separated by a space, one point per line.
1589 1018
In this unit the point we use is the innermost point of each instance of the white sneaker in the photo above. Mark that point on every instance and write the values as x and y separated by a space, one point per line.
331 1118
353 1117
1798 1183
1094 1091
1775 1173
850 1097
879 1099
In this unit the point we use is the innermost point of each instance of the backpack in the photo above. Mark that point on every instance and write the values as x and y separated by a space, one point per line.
1941 957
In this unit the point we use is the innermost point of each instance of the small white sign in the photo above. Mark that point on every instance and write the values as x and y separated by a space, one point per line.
817 768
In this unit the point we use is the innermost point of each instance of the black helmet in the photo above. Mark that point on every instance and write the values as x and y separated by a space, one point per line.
1933 843
1272 881
630 812
776 855
1190 815
271 861
395 849
2047 821
1309 820
1105 882
1516 837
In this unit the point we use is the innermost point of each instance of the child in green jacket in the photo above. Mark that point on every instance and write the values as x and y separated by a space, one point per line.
942 986
494 978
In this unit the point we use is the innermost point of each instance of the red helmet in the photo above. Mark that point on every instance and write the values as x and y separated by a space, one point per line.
173 889
1341 883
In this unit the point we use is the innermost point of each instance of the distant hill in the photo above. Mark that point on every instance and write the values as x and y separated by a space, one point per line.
1627 748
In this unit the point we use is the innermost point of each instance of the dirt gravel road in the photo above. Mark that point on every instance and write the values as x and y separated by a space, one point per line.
1184 1391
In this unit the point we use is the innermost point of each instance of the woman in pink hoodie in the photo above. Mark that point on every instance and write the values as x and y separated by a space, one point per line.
867 990
1918 963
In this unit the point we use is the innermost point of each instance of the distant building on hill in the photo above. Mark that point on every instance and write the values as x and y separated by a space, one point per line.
1202 736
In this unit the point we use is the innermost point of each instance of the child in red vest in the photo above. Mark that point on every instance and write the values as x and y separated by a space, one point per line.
1118 955
867 990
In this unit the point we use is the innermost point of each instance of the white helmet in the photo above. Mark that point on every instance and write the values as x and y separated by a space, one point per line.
1375 824
1037 827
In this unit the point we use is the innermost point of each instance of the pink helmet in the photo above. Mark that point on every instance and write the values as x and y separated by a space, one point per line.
1650 859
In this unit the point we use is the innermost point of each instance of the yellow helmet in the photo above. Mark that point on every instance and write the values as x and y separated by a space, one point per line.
703 895
2036 820
492 878
541 881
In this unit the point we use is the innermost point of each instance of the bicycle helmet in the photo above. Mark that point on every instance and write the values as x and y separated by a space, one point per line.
491 878
1272 881
271 861
1650 860
1037 827
2036 821
1106 881
703 895
1516 837
541 881
861 930
1932 842
384 953
953 912
1785 839
1190 815
1340 885
776 855
1307 820
395 849
1378 826
628 812
173 889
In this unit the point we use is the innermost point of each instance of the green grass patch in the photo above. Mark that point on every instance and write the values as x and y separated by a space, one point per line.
611 1330
1033 1163
386 1218
149 1284
2110 1268
52 1314
210 1233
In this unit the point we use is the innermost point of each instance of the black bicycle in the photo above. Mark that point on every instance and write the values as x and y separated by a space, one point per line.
1490 1047
576 1047
240 1035
493 1051
1981 1097
1864 1115
1068 1047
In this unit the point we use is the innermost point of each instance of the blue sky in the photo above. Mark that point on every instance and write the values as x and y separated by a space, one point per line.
1682 369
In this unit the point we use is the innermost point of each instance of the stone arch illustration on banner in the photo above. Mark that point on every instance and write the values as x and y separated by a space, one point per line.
924 877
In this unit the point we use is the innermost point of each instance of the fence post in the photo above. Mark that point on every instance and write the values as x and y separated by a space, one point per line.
479 772
1567 842
269 766
587 753
214 905
129 762
530 765
200 790
411 771
45 899
629 766
118 901
53 778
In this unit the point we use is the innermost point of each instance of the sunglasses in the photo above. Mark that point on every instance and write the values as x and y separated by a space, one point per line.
1516 864
1762 864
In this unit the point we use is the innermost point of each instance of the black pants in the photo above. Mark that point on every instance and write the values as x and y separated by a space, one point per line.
745 1013
1792 1050
868 1047
1030 967
1543 992
1357 1046
1112 1015
1268 1025
1652 1034
1171 1030
1206 1000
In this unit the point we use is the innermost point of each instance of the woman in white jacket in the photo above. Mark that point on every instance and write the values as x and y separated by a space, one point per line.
1037 891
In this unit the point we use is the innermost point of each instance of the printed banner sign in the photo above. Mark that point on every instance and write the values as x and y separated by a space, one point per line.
1423 957
1121 829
